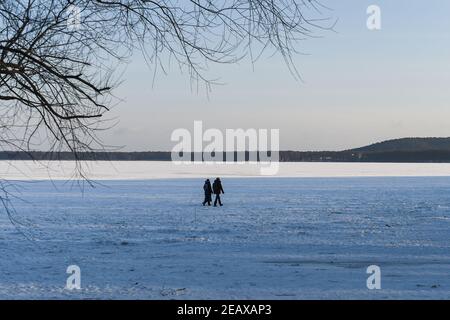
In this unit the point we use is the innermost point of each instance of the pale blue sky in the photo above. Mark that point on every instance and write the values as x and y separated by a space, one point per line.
359 86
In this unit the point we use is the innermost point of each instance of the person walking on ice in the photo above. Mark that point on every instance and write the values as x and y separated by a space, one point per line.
208 192
217 189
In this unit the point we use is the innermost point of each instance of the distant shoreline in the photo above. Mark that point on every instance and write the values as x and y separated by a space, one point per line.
423 156
404 150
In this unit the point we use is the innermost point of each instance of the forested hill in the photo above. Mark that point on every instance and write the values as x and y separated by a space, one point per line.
398 150
407 144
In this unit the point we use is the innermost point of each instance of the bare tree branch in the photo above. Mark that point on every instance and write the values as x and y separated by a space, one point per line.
59 58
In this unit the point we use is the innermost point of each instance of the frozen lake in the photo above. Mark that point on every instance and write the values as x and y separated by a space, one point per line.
275 238
141 170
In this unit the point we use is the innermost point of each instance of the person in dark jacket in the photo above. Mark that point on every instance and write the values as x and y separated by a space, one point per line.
208 192
217 189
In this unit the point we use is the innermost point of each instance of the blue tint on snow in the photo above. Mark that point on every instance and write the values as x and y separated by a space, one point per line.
277 238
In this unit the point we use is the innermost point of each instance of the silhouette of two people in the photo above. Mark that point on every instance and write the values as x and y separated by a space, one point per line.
216 188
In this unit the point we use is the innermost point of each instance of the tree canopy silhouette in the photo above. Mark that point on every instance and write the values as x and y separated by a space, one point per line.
59 58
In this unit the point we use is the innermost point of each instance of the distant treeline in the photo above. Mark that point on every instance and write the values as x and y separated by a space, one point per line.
397 150
284 156
351 156
99 156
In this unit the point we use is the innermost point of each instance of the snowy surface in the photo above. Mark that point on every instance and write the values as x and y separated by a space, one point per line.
275 238
141 170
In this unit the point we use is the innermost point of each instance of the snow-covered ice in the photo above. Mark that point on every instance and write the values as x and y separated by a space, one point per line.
275 238
140 170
